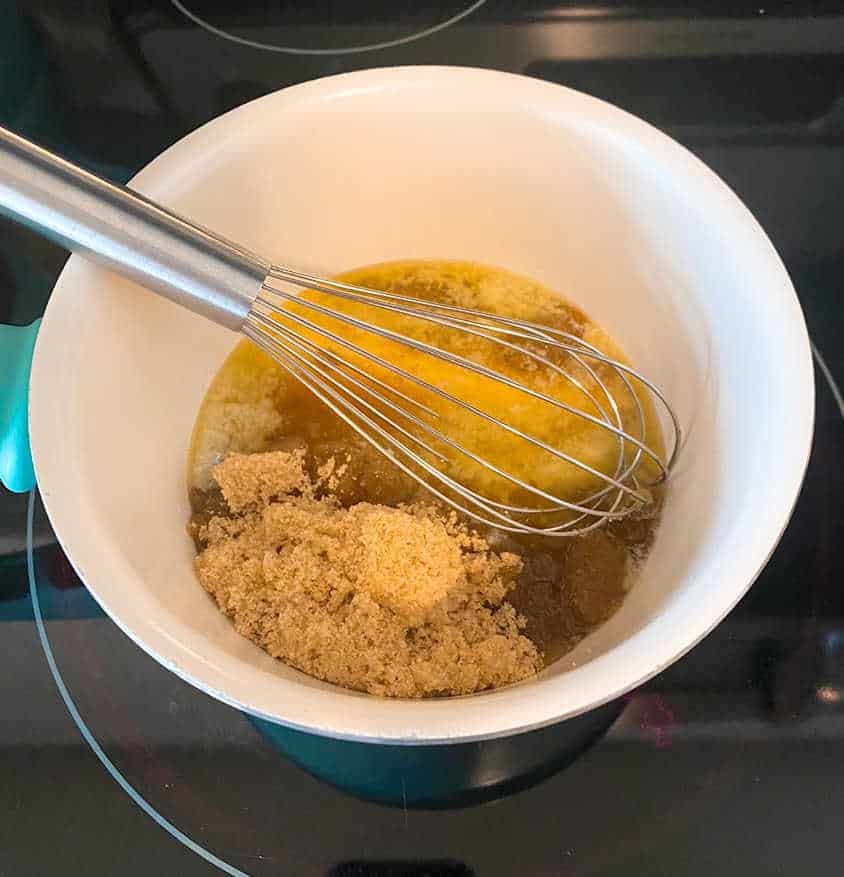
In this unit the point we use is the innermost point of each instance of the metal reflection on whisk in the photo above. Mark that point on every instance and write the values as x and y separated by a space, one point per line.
387 417
224 282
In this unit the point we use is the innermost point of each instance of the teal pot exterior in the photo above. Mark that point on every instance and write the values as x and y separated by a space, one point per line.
445 775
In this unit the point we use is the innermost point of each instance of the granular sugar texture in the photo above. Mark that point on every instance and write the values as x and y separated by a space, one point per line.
403 602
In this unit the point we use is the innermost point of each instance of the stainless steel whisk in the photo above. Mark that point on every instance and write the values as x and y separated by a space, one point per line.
223 282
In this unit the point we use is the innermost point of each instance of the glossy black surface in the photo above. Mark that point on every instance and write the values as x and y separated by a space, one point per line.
731 762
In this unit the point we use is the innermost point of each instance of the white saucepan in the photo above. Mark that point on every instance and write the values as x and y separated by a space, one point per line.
449 163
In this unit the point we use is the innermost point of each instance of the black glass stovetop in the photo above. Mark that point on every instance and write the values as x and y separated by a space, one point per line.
731 762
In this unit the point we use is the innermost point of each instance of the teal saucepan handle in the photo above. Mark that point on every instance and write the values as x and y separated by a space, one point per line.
16 346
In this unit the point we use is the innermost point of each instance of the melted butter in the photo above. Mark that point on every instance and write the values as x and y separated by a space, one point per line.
568 586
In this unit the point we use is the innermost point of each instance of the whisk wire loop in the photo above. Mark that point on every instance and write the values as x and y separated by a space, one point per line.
413 434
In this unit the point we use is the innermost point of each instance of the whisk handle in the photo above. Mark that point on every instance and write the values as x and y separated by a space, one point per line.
127 233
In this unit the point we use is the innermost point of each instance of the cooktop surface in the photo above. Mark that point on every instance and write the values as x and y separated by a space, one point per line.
729 762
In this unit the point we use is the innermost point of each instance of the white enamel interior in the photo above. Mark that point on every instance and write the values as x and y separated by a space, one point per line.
450 163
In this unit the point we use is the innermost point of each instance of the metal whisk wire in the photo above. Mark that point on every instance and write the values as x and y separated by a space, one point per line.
222 281
377 410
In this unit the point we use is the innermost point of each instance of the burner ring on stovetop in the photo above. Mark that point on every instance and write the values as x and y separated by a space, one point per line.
344 50
86 732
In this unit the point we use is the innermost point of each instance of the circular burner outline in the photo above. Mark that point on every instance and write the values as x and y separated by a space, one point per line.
85 731
347 50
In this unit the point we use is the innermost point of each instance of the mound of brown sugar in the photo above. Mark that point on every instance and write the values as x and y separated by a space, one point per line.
403 602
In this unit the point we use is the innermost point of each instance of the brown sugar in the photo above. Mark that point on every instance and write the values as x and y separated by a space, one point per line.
403 602
594 564
329 556
408 564
254 479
